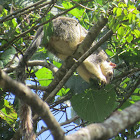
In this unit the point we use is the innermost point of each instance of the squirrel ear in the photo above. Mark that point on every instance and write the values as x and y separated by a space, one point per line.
112 64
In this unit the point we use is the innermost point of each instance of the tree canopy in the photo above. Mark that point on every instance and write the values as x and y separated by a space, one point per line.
53 89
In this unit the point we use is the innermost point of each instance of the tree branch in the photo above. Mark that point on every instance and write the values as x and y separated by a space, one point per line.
37 105
32 63
11 16
61 124
119 121
43 63
128 95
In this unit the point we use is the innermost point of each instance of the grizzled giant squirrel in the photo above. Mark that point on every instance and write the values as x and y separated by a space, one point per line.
67 34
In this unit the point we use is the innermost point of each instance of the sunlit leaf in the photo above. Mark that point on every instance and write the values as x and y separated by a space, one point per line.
76 12
7 112
14 22
130 15
121 31
44 76
119 12
129 38
136 33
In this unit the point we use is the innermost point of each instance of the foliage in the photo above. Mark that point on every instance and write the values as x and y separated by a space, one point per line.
7 112
90 104
8 118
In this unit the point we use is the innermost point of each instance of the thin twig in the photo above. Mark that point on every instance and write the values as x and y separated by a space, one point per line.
21 10
61 124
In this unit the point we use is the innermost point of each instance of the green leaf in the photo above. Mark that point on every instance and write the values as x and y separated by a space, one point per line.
125 12
57 64
135 98
121 31
67 4
130 15
119 12
5 12
77 84
48 29
75 12
17 30
129 38
136 33
44 76
126 104
14 22
7 112
63 92
99 2
137 90
114 10
125 81
8 55
94 105
109 52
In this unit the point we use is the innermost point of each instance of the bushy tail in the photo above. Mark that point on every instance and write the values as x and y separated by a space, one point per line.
26 122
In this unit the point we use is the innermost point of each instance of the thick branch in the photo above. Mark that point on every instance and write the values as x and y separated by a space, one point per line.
111 127
40 107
